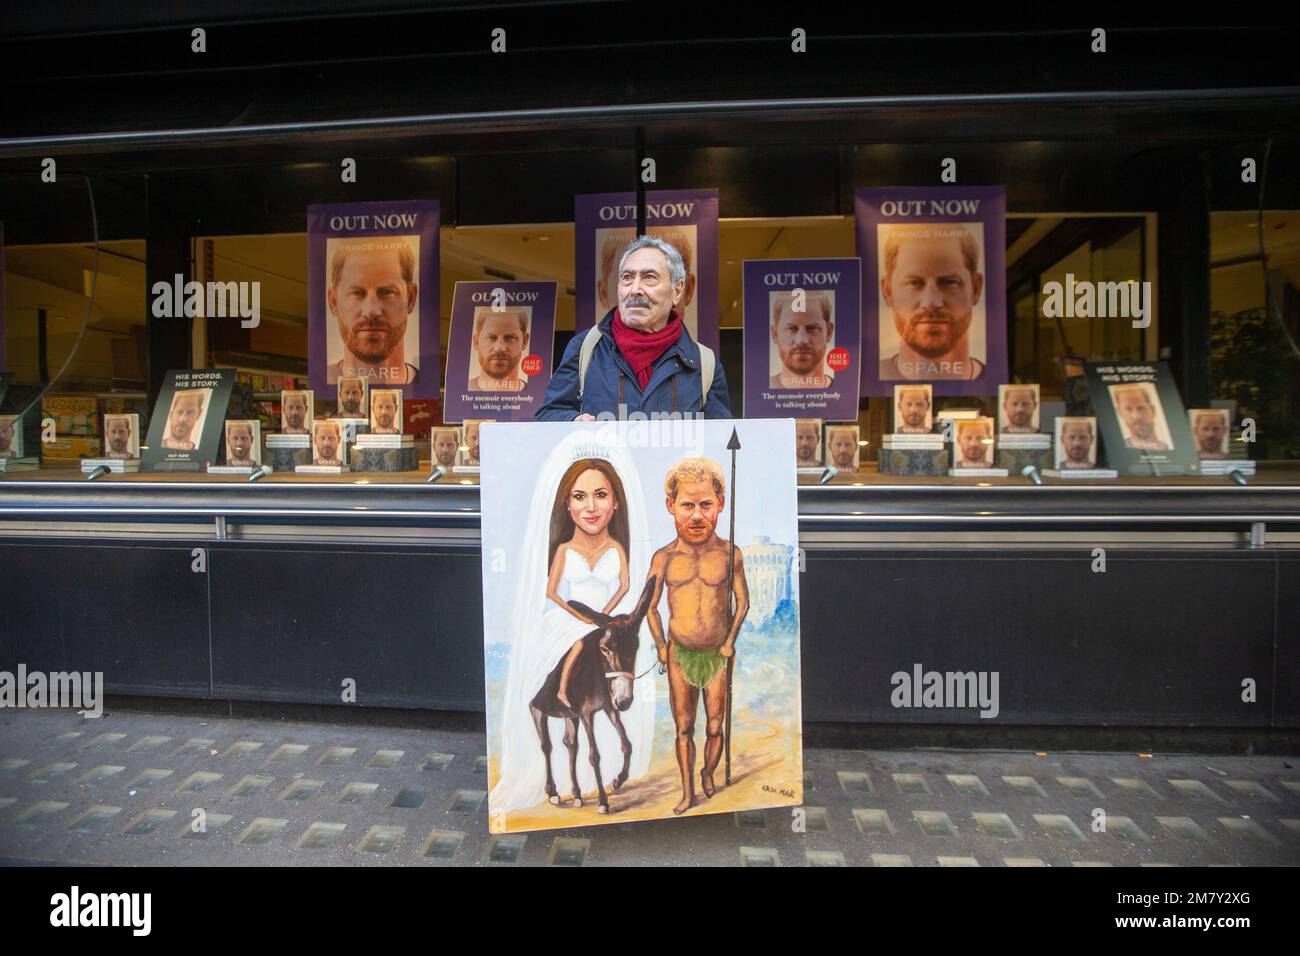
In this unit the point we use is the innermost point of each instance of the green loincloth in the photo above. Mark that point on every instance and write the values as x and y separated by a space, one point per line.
698 667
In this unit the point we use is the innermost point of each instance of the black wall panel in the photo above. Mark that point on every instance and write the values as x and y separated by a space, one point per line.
1158 638
1162 638
1287 652
290 623
136 612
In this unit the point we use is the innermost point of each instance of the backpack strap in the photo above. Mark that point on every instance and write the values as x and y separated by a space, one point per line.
589 343
708 362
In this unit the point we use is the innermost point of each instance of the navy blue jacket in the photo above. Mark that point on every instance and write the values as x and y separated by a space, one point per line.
674 385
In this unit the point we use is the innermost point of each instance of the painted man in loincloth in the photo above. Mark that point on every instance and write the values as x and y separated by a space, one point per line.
694 567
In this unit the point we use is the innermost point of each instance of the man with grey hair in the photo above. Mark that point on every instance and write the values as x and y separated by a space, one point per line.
639 358
612 249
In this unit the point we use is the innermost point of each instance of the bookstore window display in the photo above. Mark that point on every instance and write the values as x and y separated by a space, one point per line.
69 368
1004 355
272 406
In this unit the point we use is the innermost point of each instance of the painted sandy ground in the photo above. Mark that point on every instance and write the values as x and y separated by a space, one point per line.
766 771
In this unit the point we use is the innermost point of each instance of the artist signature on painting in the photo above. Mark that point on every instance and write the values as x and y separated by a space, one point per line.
780 791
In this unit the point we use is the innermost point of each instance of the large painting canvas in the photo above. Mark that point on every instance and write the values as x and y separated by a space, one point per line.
640 590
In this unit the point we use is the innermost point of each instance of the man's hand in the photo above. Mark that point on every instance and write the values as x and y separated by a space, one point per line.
662 650
727 650
585 417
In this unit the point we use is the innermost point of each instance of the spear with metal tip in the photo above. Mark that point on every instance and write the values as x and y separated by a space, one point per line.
733 446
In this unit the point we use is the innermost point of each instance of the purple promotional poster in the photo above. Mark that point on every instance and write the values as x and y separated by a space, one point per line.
687 219
372 297
499 352
803 345
933 288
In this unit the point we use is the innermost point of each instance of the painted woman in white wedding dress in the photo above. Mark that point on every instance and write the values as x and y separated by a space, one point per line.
597 527
583 544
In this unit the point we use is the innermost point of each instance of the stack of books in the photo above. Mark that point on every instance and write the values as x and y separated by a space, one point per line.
1238 459
118 466
280 440
371 440
18 464
1080 472
929 441
1034 441
1223 466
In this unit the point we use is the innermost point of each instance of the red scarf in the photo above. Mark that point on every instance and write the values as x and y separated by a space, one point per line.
643 349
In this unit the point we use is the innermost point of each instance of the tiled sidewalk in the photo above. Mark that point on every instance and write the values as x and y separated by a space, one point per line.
125 790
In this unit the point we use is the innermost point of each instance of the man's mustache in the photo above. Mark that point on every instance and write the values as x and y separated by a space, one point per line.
931 317
636 301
